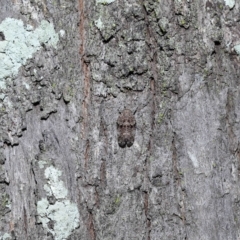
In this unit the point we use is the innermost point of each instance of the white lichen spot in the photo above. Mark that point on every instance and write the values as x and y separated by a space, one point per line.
99 24
56 185
47 190
237 49
20 43
2 96
230 3
27 86
63 213
105 1
7 102
42 207
62 33
46 34
100 90
137 146
6 236
29 27
234 172
193 159
41 164
21 186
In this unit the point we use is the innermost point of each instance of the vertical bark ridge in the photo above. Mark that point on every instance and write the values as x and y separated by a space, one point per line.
86 71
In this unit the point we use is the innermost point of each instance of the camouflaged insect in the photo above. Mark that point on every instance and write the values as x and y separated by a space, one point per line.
126 126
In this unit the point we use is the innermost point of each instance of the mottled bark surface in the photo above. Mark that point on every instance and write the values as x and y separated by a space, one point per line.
69 68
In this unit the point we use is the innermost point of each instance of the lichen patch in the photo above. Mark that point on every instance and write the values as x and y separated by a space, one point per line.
62 217
105 1
20 43
230 3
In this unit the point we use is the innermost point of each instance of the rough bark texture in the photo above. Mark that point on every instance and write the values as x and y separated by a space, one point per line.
69 68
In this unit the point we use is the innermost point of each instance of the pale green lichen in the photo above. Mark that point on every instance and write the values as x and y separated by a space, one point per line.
105 1
237 49
99 24
46 34
41 164
63 213
6 236
160 118
117 200
5 202
2 96
42 207
27 86
194 159
230 3
62 33
54 184
20 43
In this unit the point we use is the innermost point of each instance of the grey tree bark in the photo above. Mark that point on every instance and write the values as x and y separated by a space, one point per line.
69 68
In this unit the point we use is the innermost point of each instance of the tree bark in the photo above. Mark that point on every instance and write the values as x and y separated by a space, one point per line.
69 69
